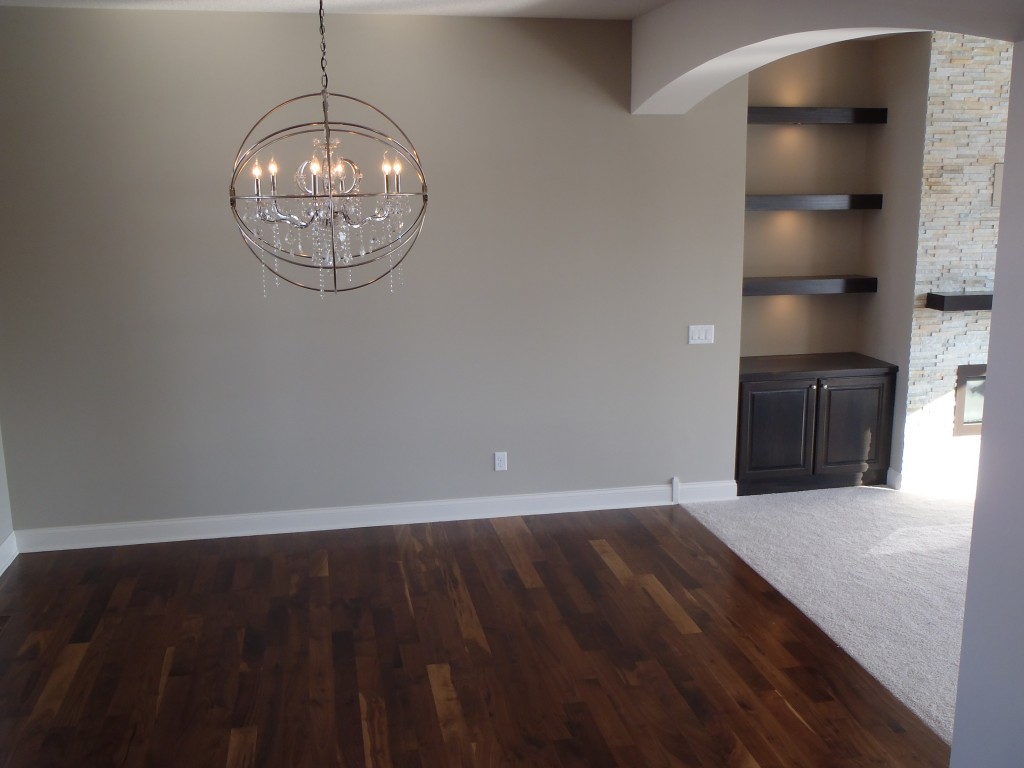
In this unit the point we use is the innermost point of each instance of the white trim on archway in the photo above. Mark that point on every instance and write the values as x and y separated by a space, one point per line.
692 87
688 49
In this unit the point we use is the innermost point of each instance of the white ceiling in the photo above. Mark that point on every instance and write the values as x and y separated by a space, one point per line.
563 9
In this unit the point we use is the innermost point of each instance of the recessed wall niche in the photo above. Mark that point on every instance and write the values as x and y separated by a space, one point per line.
801 159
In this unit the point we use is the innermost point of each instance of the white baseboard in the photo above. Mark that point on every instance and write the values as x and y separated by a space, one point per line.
8 551
714 490
894 478
303 520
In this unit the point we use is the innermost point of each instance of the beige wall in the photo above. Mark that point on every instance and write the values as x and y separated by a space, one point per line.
890 237
543 312
6 525
990 692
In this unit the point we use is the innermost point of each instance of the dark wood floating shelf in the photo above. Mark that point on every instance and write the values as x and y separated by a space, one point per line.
958 302
813 202
809 285
817 115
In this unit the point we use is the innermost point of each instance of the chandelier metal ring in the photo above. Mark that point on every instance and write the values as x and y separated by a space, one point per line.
320 215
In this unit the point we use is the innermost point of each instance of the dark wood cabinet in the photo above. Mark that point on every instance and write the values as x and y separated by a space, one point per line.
854 426
783 410
813 421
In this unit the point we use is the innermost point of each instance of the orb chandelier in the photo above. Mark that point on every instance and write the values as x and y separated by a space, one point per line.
327 191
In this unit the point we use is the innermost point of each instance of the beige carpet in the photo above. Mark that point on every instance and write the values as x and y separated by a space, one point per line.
883 572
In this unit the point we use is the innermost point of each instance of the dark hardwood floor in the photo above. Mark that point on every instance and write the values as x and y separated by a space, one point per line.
626 638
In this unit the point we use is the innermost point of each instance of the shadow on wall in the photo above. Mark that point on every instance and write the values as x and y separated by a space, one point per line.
568 43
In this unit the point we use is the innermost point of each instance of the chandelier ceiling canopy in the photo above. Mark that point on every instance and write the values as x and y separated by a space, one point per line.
327 191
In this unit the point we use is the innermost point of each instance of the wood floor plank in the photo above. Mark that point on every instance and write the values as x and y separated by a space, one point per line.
242 747
671 607
615 563
454 729
59 681
516 539
628 638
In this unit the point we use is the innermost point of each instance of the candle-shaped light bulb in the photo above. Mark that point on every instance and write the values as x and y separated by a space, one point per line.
272 167
397 168
385 168
314 168
257 172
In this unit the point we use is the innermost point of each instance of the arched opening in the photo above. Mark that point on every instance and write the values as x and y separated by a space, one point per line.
991 688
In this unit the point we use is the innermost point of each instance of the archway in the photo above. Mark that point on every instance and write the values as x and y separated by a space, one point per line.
679 51
689 48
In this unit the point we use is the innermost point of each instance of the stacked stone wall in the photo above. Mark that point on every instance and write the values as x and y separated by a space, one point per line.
968 96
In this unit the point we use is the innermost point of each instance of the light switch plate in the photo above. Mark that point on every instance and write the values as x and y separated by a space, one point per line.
702 334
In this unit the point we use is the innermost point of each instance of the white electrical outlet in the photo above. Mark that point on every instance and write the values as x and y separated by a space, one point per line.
500 461
702 334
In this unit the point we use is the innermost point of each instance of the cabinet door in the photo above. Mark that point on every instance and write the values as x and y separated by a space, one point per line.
854 423
776 427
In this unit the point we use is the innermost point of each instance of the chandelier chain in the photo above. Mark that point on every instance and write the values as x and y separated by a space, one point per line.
329 175
323 50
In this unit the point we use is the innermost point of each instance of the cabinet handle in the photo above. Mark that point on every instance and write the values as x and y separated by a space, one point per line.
814 387
824 386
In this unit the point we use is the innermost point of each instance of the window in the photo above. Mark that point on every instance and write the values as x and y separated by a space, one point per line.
970 399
